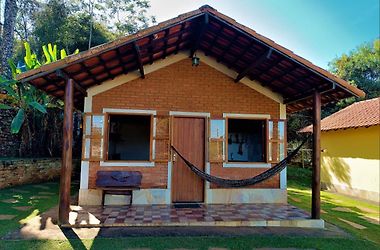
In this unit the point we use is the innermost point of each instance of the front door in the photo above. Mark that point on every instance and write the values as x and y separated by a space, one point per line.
189 140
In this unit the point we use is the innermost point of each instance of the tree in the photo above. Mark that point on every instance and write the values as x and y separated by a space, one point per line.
361 68
122 17
7 36
25 18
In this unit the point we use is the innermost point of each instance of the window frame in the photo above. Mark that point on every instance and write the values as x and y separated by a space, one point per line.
265 135
106 137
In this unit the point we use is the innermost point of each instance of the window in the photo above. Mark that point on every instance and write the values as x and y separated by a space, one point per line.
246 140
129 137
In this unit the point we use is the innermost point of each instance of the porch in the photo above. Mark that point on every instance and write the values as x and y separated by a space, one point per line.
223 215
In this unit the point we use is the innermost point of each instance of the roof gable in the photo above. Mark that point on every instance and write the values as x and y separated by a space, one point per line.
250 55
360 114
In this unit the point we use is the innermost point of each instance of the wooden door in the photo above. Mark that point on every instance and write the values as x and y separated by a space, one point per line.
189 140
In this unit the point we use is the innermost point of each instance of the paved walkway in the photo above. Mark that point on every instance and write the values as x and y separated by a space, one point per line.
204 215
45 226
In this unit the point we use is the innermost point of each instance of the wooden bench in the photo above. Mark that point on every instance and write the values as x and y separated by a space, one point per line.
118 182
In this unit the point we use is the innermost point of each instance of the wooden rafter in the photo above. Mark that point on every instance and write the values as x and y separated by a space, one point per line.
202 30
308 94
150 49
104 64
120 57
180 38
228 47
139 59
65 76
263 57
165 44
217 33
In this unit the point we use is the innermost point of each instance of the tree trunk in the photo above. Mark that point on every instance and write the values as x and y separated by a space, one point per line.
7 41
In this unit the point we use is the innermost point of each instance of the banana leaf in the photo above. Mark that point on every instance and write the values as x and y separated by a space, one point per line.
38 107
28 56
63 53
46 54
17 121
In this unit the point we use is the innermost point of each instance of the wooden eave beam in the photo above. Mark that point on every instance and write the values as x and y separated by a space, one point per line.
307 95
139 60
265 56
200 35
66 77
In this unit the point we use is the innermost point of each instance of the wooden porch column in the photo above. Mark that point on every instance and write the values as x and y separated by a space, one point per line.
316 161
66 168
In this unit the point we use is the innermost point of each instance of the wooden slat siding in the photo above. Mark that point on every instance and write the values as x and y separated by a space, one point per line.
189 139
162 138
67 151
316 160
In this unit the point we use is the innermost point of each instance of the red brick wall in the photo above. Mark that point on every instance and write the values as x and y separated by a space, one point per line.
181 87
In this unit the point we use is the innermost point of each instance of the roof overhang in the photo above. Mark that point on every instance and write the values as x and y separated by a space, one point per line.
238 47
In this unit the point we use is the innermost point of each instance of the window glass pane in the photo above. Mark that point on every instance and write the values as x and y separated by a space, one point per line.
129 137
281 151
88 125
97 125
281 130
270 152
270 128
246 140
87 148
217 129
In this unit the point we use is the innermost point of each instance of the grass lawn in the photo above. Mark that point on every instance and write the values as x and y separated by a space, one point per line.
31 196
25 202
356 211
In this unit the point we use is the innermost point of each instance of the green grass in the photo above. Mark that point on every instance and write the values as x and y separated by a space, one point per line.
298 181
29 196
245 242
299 188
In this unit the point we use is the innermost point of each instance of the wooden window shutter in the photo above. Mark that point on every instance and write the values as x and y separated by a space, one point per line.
217 134
161 138
276 131
93 137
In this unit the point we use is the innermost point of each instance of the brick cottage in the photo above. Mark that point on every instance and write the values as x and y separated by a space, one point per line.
214 89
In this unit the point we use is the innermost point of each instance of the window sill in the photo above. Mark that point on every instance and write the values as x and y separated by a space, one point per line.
246 165
126 164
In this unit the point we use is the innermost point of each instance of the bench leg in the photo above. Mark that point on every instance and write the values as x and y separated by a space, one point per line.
103 196
130 201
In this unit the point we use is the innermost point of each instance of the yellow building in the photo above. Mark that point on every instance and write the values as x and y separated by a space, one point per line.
350 141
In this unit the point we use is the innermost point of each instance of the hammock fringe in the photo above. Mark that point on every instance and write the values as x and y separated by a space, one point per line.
243 182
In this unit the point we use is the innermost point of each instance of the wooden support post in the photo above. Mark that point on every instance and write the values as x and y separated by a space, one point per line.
66 168
316 161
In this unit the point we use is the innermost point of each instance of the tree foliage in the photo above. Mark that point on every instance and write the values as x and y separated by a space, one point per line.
361 68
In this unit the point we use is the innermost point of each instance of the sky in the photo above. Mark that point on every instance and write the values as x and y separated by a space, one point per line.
318 30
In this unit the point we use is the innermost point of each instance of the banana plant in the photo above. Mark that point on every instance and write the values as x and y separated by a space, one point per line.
30 58
50 53
24 98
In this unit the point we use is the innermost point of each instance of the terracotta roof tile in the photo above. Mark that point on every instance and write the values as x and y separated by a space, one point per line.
360 114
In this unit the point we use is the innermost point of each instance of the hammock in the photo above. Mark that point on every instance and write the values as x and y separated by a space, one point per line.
244 182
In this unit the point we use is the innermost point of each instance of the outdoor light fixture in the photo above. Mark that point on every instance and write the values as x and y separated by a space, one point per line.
195 60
